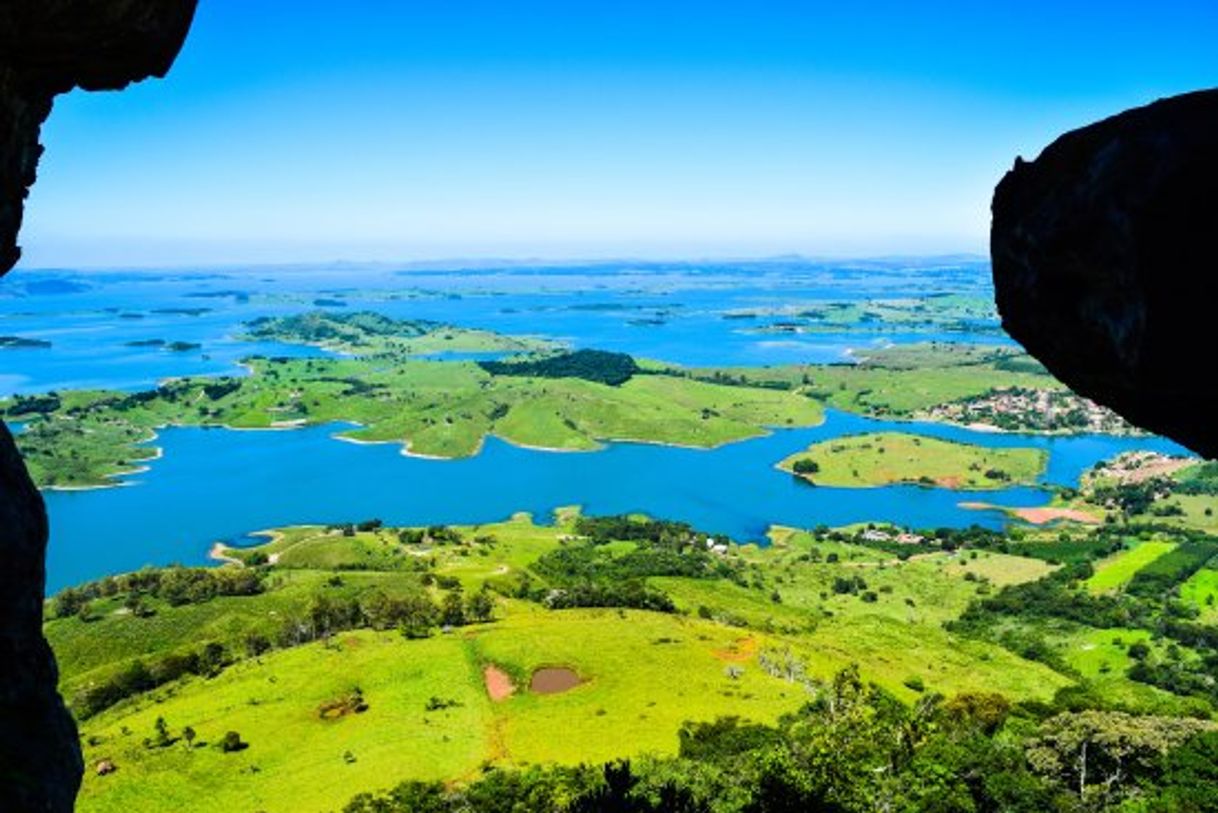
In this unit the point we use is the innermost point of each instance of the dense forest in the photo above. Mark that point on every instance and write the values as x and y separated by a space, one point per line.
598 366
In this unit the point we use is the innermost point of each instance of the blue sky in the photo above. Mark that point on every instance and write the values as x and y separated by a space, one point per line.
312 131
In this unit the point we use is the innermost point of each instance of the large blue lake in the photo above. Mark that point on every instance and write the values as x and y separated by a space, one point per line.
221 485
673 312
217 484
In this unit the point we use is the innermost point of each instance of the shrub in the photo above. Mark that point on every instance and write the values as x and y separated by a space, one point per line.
232 742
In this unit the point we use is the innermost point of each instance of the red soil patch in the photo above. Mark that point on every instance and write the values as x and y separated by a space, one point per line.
553 680
1039 516
498 684
739 650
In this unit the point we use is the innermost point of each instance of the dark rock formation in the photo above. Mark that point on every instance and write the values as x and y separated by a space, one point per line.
48 47
1106 264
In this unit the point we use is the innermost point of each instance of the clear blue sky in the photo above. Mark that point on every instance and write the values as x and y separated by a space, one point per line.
309 130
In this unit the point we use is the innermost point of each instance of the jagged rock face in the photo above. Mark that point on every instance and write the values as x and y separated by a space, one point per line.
49 47
1105 266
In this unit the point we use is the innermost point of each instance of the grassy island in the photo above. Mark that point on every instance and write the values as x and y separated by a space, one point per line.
547 398
885 458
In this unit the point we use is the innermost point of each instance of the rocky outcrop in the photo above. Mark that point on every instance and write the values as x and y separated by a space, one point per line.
1106 264
48 47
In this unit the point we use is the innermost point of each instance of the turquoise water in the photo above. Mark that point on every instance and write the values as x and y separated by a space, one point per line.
652 310
221 485
216 484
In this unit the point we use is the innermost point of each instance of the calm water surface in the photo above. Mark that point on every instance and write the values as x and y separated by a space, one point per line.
217 484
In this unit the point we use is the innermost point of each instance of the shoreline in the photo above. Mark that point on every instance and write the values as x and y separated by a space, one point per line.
870 486
1039 516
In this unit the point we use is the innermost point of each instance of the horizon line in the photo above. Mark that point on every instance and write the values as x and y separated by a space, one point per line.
457 263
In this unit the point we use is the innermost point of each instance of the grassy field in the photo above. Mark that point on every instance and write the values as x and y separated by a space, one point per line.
1117 570
644 674
903 381
436 408
884 458
429 715
1202 591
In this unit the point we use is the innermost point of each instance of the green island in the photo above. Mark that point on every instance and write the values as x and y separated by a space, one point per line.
905 381
517 665
935 312
546 398
397 381
884 458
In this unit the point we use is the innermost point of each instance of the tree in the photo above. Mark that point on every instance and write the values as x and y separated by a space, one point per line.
68 602
419 615
134 604
1191 776
212 658
480 607
256 644
452 612
188 734
162 733
806 466
1098 754
232 742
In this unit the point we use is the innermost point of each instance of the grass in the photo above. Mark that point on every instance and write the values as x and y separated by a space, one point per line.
903 381
1119 569
436 408
879 459
1201 590
643 673
447 408
1200 511
296 760
89 651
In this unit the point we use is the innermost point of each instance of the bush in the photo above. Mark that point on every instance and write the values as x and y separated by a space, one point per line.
806 466
232 742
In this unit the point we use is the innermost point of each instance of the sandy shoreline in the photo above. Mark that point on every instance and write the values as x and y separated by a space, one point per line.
1037 516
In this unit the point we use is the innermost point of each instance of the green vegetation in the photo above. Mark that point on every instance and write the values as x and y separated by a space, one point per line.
1201 591
361 650
369 333
938 313
905 381
434 408
851 669
879 459
613 369
1118 569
